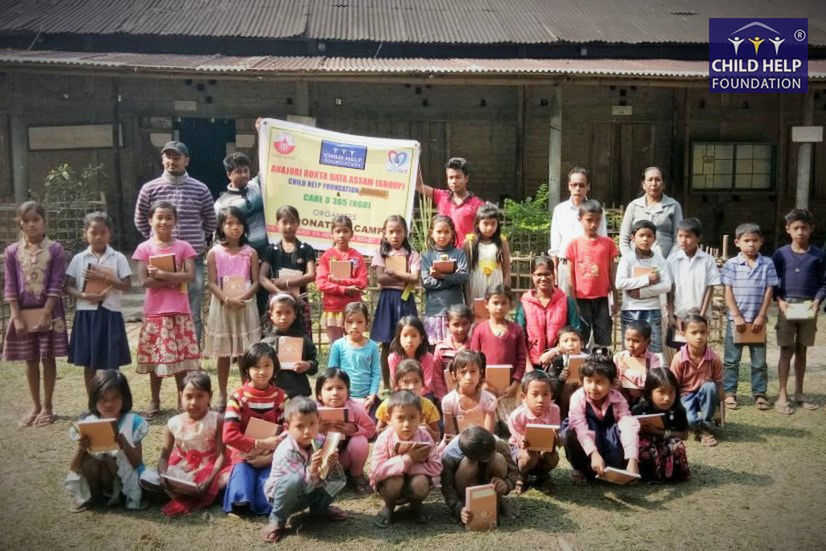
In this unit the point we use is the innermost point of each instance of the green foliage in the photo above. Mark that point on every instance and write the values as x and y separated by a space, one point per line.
531 215
421 223
65 185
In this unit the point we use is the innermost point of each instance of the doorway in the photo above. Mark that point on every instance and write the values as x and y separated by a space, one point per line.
207 141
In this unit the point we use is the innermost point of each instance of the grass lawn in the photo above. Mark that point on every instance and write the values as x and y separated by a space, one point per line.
763 487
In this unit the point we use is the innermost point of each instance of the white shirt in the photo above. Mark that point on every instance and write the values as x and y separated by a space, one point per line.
691 277
110 259
649 293
565 226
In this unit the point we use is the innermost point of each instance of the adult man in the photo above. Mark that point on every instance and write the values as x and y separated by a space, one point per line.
460 204
196 217
565 224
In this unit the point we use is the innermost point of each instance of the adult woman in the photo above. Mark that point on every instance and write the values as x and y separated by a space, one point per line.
654 205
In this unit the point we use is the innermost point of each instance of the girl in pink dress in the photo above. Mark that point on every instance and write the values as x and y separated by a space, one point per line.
232 277
167 345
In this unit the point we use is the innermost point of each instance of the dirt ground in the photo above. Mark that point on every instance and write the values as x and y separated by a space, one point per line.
761 488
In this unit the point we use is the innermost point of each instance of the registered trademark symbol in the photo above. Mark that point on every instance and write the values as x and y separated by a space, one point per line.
800 35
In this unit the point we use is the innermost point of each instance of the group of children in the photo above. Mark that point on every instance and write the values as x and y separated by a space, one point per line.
437 366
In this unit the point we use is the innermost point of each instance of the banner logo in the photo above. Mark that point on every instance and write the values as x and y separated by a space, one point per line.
284 144
758 55
343 155
397 161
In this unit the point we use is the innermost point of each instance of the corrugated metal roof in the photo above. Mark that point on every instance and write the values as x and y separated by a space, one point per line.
422 21
302 66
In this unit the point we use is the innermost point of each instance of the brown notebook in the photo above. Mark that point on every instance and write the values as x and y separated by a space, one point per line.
327 449
402 446
102 434
618 476
333 415
341 269
574 363
480 309
31 318
639 271
396 263
540 437
289 273
165 262
260 429
445 266
234 286
97 286
749 336
654 420
290 350
498 376
481 500
635 366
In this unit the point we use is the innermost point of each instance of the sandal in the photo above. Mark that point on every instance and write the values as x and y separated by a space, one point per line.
731 403
272 533
28 420
761 403
383 518
151 413
708 440
79 507
802 402
43 419
784 408
361 484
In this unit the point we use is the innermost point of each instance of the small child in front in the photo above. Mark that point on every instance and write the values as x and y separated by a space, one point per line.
749 278
296 481
699 374
592 274
408 376
802 271
397 474
599 431
537 407
476 457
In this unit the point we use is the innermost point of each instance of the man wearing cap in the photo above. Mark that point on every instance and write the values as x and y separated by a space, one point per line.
196 216
565 224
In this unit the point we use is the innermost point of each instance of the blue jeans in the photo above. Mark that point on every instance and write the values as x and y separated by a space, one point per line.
654 318
196 296
731 364
701 404
290 496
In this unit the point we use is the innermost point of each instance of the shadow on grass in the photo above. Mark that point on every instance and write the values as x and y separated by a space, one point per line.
745 432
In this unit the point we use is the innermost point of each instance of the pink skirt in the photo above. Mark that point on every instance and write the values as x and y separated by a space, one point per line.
168 345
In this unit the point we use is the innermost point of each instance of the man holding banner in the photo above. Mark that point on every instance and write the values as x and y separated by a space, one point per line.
460 204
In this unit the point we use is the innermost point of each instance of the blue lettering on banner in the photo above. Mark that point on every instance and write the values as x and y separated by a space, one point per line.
758 55
343 155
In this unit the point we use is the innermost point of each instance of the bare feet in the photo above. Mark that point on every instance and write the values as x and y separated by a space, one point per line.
44 418
383 518
28 420
707 439
804 403
272 533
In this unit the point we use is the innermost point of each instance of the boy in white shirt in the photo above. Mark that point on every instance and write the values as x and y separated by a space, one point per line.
694 272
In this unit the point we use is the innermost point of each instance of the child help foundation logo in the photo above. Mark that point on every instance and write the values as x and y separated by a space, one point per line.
758 55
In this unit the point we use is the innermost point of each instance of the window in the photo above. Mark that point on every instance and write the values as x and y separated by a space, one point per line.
720 166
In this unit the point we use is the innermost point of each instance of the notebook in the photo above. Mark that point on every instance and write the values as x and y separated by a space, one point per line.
341 269
498 376
654 420
800 311
260 429
633 366
234 286
327 449
575 361
180 481
749 336
403 446
480 309
333 415
97 286
102 434
445 265
396 263
540 437
481 500
31 318
639 271
290 350
165 262
618 476
289 273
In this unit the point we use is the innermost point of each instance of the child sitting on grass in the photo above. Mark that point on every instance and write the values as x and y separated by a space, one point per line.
400 470
297 479
472 458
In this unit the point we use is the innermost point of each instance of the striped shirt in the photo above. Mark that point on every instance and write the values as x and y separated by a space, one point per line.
749 284
196 215
247 402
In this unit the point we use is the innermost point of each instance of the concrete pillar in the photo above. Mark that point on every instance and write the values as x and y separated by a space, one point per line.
19 157
302 98
555 148
804 157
